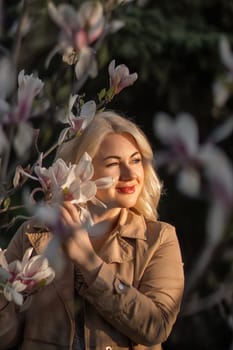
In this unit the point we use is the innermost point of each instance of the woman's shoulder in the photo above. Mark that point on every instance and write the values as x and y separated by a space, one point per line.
159 230
30 233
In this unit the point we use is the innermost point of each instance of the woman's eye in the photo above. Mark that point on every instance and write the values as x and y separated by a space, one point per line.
112 164
136 160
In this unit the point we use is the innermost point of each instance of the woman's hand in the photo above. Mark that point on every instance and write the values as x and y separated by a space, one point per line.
78 246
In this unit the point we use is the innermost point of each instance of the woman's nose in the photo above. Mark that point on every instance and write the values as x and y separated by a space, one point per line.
126 173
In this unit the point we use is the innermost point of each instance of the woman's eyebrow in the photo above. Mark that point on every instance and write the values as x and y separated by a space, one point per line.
117 157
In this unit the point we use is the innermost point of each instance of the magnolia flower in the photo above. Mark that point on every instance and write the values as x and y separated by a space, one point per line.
78 31
181 136
119 77
78 120
219 173
28 88
192 160
20 278
73 181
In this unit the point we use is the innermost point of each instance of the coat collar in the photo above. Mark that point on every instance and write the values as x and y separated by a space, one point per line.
117 248
120 244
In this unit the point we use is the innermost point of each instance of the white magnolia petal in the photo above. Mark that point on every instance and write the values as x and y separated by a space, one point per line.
187 131
34 265
216 222
115 25
56 15
3 261
18 286
63 135
223 131
4 275
163 127
72 100
88 109
15 267
72 177
46 275
225 52
12 295
83 63
59 171
83 193
188 181
4 108
23 138
104 182
27 256
217 167
93 67
84 169
88 191
17 297
220 93
90 12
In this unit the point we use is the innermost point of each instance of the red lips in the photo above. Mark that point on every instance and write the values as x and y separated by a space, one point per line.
126 189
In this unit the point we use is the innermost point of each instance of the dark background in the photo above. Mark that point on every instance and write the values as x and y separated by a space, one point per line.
174 48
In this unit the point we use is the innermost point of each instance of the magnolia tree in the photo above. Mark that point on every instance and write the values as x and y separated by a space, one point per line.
80 34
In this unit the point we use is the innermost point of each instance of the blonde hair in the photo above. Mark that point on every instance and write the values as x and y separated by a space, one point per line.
89 141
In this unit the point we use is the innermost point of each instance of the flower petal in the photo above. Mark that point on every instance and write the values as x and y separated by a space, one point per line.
104 182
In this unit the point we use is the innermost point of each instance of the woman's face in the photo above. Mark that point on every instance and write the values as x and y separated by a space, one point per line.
119 157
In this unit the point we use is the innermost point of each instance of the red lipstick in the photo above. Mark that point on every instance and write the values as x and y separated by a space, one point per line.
126 189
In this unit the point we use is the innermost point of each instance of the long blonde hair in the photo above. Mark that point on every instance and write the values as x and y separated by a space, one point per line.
89 141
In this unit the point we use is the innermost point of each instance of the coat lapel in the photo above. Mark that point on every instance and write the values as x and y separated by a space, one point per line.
120 247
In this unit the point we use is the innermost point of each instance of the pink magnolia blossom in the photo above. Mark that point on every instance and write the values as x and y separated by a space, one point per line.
79 29
79 120
28 88
73 181
119 77
20 278
191 160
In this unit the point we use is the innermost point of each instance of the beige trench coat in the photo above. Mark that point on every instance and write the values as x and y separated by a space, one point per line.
132 304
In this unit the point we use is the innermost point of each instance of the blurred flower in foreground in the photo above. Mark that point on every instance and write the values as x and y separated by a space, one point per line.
79 117
120 77
28 88
193 162
219 173
181 138
79 29
62 182
21 278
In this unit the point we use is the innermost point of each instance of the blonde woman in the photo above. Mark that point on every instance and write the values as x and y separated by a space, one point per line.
123 281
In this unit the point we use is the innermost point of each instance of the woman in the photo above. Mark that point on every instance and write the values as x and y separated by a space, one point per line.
122 284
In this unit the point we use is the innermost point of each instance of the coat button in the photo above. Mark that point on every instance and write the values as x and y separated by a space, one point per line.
121 286
108 347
